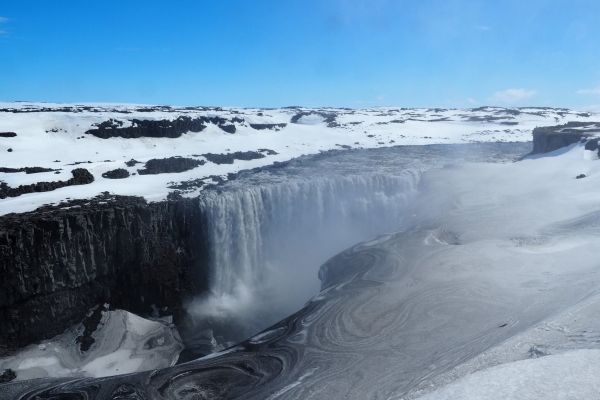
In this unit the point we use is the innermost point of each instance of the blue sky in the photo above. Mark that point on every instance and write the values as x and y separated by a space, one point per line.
341 53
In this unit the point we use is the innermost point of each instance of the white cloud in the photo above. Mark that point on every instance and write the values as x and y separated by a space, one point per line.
483 28
589 91
472 101
2 19
513 95
2 32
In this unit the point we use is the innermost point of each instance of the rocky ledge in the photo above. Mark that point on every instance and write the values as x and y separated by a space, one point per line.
550 138
58 262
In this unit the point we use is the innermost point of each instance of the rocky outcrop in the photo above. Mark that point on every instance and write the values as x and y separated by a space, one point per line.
81 176
550 138
269 152
148 128
7 375
169 165
7 134
228 158
328 117
228 128
161 128
27 170
119 173
592 144
58 262
267 126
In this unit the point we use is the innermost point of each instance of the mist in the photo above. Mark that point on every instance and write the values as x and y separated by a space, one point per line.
269 233
268 242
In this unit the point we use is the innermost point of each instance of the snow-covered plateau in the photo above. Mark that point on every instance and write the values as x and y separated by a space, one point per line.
61 137
298 253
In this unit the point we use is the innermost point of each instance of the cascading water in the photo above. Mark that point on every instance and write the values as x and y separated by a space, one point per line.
269 232
268 242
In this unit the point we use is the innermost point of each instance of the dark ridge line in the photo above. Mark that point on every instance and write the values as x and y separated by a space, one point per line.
169 165
81 176
269 152
179 164
228 158
80 162
27 170
148 128
161 128
267 126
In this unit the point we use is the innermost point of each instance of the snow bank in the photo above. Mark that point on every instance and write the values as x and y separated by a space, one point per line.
571 375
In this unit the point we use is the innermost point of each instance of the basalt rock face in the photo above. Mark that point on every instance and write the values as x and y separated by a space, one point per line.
267 126
57 263
592 144
550 138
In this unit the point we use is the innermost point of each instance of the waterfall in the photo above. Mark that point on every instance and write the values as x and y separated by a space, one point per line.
268 241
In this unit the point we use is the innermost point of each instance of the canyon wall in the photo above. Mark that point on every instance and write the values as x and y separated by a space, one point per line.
58 262
550 138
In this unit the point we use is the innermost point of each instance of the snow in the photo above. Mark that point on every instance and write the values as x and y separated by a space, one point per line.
120 347
571 375
511 311
497 266
116 363
45 136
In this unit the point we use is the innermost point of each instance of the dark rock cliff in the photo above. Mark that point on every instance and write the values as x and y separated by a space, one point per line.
550 138
58 262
